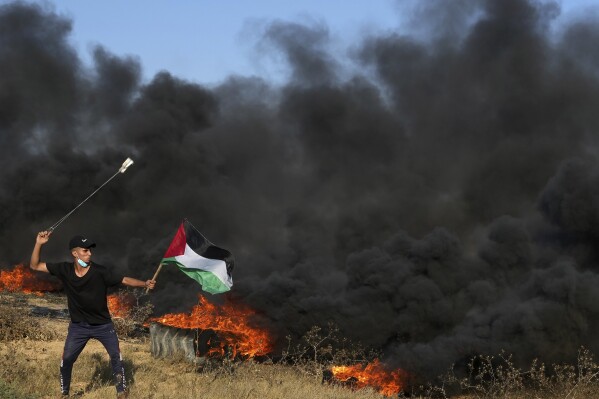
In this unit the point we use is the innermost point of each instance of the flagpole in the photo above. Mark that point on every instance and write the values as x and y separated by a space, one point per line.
155 275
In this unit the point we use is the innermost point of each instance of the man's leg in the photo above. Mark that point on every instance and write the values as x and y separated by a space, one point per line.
107 336
77 337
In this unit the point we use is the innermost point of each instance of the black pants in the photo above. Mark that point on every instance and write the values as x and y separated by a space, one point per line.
77 337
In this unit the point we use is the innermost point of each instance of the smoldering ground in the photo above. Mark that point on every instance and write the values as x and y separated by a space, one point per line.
439 203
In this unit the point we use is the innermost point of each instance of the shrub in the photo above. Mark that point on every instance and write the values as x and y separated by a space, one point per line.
129 321
14 326
494 377
319 349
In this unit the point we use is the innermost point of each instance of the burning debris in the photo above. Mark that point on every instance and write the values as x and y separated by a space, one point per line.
196 346
171 341
225 331
373 374
22 279
120 305
231 323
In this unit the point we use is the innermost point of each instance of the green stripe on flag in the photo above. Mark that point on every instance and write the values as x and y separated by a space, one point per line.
209 282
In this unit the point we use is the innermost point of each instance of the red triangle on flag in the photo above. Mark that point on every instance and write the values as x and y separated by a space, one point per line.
177 246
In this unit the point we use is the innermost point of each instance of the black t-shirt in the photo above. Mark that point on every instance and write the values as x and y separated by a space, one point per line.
86 296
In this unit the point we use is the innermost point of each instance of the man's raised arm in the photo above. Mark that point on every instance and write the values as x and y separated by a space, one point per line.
34 263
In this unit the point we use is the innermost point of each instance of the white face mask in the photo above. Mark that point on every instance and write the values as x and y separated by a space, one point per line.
82 263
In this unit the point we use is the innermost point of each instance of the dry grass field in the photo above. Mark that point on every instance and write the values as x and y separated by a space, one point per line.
30 349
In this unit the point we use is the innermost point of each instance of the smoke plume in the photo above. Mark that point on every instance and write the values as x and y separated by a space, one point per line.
444 202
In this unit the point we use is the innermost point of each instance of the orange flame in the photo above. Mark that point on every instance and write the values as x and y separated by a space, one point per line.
120 305
22 279
230 322
389 383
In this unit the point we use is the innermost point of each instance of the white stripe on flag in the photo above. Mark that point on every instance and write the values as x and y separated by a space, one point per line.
191 260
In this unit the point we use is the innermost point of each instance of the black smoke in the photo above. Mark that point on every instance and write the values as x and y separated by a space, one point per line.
441 203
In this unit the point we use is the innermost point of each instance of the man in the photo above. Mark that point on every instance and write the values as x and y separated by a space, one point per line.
85 284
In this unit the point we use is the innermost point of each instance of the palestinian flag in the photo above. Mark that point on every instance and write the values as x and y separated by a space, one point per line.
197 257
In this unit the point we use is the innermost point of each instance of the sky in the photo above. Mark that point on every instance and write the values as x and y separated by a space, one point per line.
207 41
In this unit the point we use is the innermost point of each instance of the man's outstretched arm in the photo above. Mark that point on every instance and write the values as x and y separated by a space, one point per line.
133 282
34 263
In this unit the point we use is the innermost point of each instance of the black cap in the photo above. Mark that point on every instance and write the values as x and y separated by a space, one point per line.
80 241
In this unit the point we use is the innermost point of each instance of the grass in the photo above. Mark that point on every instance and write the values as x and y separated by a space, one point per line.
30 350
8 392
34 372
30 358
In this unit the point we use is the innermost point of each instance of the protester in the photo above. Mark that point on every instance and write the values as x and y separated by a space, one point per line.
86 284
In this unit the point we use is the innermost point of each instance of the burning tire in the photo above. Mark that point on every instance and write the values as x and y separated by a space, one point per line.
172 342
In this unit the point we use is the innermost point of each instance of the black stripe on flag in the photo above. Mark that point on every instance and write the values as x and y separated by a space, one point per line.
205 248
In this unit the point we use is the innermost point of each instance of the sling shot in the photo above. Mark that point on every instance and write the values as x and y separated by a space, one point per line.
128 162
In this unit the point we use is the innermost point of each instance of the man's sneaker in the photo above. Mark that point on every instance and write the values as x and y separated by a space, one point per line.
122 395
